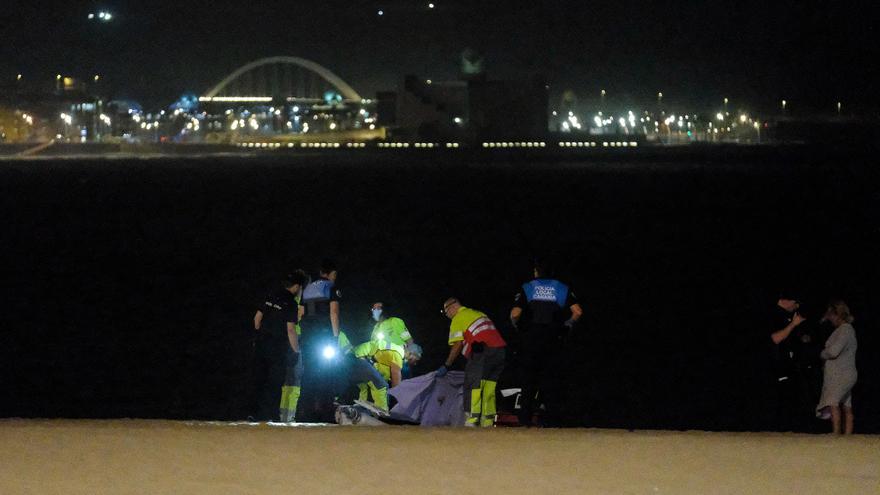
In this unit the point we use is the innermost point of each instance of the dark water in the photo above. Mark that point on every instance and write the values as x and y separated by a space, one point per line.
129 286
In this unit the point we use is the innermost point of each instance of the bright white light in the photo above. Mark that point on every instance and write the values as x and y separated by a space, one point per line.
91 16
743 118
332 125
457 120
430 5
622 122
381 12
329 352
719 116
429 81
380 335
295 109
598 121
565 127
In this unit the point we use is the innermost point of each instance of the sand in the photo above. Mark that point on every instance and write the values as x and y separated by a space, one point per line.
159 457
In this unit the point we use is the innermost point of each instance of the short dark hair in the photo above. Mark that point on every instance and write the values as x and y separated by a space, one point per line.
543 267
790 294
328 266
297 277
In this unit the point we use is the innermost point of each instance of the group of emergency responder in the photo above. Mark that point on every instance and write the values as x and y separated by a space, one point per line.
304 362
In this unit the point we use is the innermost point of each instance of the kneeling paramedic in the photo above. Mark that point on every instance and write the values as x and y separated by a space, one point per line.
473 335
395 344
358 369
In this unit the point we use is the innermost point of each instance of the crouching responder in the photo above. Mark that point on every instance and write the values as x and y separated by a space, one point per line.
275 321
473 335
394 340
359 369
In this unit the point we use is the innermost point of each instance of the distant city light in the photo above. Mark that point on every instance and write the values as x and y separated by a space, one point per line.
97 77
457 120
430 5
719 116
18 78
428 81
380 13
743 118
103 16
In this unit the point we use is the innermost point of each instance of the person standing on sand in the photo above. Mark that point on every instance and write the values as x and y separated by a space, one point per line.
839 374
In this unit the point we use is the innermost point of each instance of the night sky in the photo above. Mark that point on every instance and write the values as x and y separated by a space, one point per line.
754 52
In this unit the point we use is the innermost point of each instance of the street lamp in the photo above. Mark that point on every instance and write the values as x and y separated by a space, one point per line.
838 108
784 103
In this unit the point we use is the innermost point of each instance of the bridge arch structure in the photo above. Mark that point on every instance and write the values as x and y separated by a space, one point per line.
282 77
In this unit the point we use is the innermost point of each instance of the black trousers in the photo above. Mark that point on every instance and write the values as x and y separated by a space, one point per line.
321 376
538 372
270 367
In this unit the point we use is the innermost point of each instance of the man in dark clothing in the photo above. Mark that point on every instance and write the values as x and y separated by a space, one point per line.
792 365
276 343
539 311
320 334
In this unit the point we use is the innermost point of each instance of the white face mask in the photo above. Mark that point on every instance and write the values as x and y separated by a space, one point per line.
376 314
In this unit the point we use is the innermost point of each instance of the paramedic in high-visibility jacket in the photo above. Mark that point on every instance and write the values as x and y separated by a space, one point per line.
473 335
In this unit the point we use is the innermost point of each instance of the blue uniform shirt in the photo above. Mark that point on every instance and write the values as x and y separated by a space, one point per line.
317 297
544 300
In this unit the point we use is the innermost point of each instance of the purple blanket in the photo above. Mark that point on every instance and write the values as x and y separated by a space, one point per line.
430 401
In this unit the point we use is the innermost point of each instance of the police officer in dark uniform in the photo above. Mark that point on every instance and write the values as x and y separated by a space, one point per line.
320 334
793 354
275 323
539 313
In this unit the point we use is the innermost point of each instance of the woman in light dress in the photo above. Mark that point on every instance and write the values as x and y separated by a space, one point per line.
839 356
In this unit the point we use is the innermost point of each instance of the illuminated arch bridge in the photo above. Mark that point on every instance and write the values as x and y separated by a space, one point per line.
291 79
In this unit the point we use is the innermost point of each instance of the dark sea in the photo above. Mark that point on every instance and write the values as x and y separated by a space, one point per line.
129 285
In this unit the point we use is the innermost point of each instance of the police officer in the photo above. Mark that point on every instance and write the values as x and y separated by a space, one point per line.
791 355
539 311
277 344
320 334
